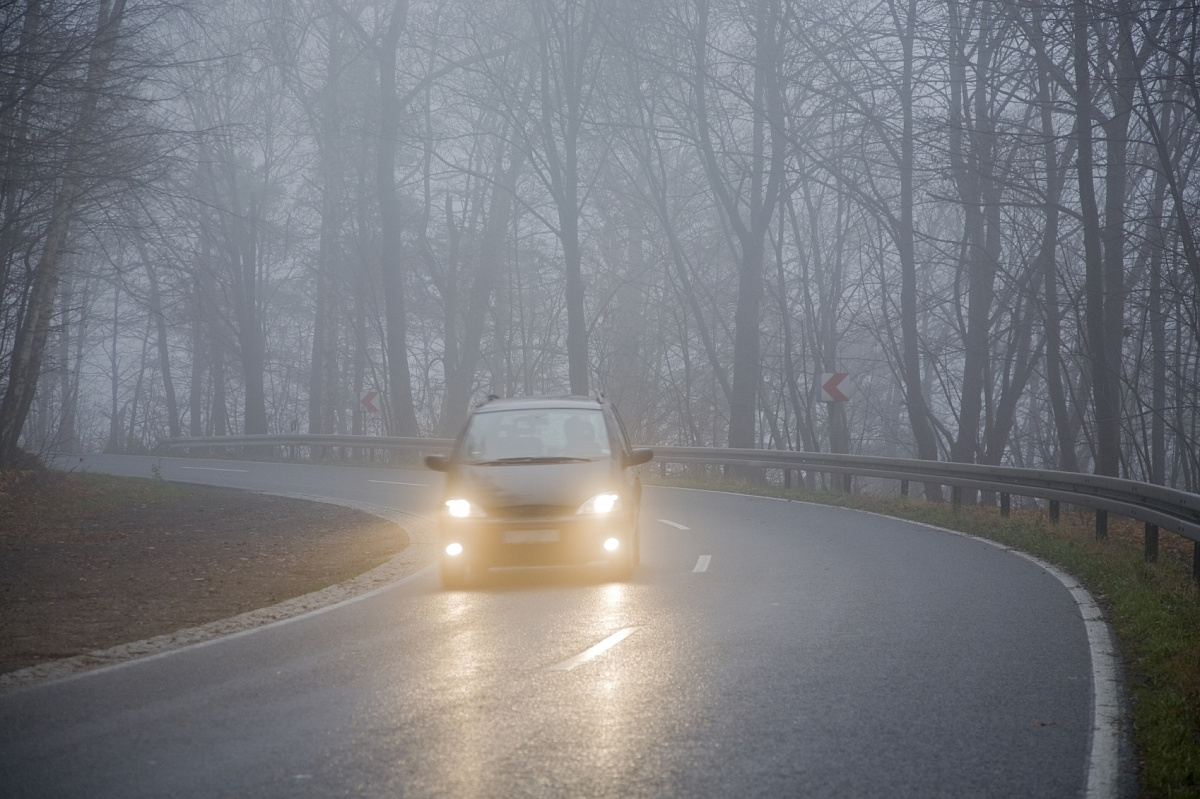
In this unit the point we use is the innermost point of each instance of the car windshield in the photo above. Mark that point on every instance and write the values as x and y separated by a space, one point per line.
535 435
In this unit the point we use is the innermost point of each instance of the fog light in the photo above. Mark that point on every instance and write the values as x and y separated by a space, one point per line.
454 549
611 544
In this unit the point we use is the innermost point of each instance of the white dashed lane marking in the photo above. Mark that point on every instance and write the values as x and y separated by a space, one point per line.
394 483
591 652
702 564
676 525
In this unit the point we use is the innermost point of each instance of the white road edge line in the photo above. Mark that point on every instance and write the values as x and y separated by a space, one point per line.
702 564
1103 753
591 652
394 483
212 469
1103 770
308 614
676 525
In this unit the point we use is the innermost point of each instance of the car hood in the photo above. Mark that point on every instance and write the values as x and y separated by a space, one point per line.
523 484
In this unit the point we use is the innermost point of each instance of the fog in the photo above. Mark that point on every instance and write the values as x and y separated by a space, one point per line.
242 216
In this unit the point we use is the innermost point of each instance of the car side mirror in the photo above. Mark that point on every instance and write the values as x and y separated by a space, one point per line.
639 456
439 463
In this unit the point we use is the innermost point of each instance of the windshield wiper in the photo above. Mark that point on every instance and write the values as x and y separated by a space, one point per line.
533 459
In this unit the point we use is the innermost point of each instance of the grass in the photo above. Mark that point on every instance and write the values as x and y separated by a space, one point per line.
1153 608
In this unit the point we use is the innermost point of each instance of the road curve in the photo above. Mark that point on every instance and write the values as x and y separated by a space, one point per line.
764 648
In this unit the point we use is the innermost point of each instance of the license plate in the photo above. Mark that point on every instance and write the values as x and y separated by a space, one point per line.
530 536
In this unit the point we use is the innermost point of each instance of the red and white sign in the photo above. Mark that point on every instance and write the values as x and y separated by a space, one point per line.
368 401
836 387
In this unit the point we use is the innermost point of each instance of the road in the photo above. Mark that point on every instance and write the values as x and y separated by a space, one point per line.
764 648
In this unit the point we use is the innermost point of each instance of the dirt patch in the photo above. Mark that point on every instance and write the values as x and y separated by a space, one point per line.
96 568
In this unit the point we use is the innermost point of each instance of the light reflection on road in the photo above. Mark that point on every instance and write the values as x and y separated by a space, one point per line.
465 688
487 717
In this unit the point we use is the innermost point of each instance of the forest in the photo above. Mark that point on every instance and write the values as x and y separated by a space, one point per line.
242 216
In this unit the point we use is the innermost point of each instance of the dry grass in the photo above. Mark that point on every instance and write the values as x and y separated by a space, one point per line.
89 561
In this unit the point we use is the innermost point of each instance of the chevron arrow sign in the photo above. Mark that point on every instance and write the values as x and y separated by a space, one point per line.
836 387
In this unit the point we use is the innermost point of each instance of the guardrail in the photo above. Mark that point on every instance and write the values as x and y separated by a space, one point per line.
393 443
1156 506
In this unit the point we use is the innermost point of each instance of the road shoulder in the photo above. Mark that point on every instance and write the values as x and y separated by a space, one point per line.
94 590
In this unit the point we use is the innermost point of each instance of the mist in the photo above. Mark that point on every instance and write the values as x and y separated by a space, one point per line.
244 217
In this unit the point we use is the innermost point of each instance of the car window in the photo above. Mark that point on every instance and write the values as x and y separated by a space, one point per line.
535 433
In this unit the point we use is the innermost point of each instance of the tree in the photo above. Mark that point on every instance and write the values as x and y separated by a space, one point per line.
30 343
747 198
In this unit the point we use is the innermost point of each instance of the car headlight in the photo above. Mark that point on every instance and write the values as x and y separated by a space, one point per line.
462 508
601 503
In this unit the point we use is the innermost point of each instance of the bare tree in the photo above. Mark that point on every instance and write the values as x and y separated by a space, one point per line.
30 342
747 208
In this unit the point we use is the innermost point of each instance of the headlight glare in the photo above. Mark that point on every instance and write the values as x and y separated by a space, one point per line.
462 508
601 504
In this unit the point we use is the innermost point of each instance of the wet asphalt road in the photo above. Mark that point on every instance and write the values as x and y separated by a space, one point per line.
763 648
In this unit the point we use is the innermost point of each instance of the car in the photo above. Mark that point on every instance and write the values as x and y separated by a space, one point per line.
540 481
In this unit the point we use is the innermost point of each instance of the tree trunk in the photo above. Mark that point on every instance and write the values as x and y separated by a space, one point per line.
138 385
250 330
219 415
115 416
1116 177
68 437
761 198
562 96
400 396
200 354
1065 423
1104 410
321 385
160 328
1157 315
980 202
359 422
918 411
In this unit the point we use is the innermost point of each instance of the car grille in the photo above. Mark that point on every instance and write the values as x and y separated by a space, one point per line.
530 511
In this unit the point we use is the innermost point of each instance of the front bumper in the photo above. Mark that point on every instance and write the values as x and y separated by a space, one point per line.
536 541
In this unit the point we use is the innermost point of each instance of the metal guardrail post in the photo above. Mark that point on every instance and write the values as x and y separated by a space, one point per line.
904 488
1054 511
1101 524
1005 505
1151 542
